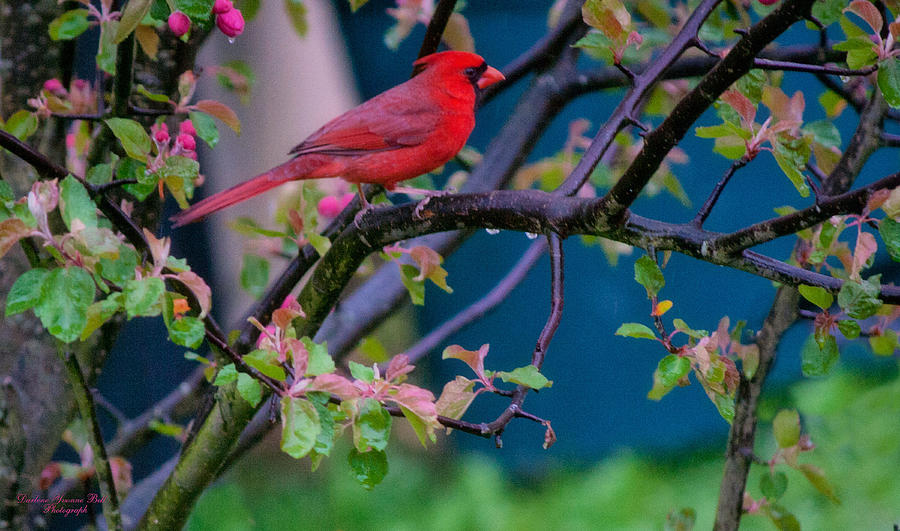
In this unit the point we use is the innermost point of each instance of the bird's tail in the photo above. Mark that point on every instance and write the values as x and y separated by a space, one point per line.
240 192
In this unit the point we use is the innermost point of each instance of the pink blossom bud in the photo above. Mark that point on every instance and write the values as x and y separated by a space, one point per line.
54 86
187 127
346 198
187 141
222 6
161 136
179 23
70 140
80 85
329 206
231 23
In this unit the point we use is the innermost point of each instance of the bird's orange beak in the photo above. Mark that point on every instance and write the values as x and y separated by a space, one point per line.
489 77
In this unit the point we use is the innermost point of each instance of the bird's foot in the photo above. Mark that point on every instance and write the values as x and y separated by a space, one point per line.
418 213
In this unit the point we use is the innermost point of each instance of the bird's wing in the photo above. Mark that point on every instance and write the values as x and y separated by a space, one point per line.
387 121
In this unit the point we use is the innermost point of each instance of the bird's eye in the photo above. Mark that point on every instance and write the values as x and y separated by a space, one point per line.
471 71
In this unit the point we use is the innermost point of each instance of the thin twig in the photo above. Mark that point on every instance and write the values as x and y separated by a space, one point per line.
710 202
436 27
787 66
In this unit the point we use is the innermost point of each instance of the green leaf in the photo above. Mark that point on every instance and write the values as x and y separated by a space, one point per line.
786 428
527 376
673 368
889 81
134 12
99 174
774 485
66 294
860 299
849 328
816 295
131 134
226 375
69 25
791 157
75 203
637 330
828 11
187 331
106 52
255 274
372 426
817 479
816 360
890 235
249 227
320 243
206 128
266 362
179 174
824 132
884 344
648 274
373 349
300 426
370 467
325 438
141 296
25 293
320 362
132 169
21 124
681 326
416 288
100 312
297 13
356 4
121 269
783 519
249 389
361 372
199 11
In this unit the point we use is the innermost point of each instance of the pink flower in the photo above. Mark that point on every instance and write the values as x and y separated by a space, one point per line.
187 141
179 23
187 127
222 6
161 136
231 22
330 206
54 86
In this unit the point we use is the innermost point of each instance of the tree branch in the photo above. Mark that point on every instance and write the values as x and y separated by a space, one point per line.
85 402
660 141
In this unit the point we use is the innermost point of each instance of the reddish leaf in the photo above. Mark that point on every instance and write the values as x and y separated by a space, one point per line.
398 367
472 358
11 231
199 288
336 385
456 398
742 104
221 111
865 248
868 12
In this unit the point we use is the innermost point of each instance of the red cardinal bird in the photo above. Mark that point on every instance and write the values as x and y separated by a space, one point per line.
399 134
